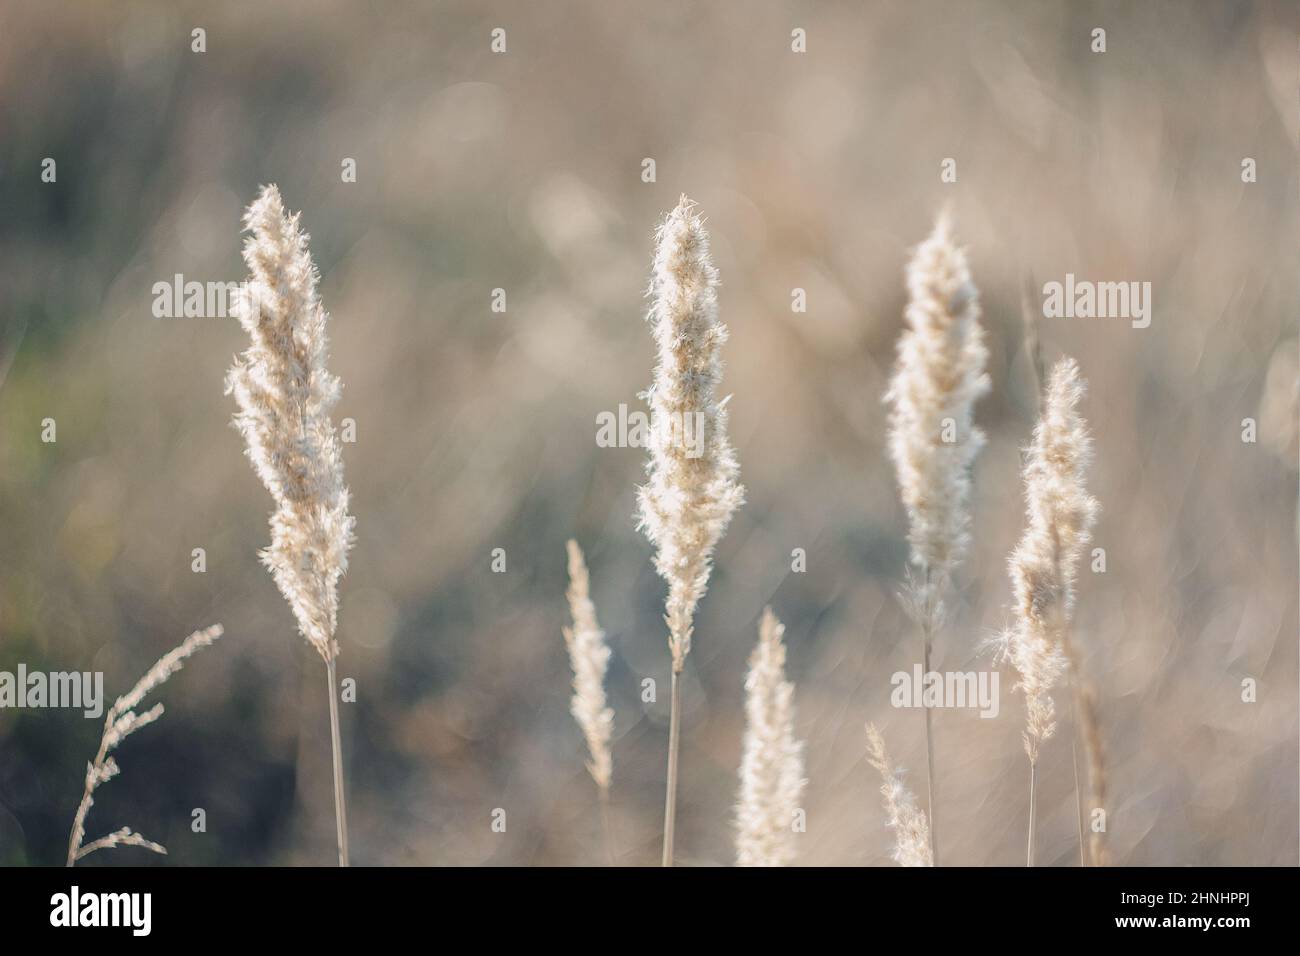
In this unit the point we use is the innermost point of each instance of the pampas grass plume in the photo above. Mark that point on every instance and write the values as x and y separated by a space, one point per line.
933 441
1059 515
691 490
687 502
938 376
285 395
771 768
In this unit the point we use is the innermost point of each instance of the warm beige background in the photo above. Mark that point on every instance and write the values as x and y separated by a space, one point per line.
476 430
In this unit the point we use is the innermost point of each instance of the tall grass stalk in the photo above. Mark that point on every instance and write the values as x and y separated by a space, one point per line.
938 377
1034 354
692 489
285 395
1084 722
1059 515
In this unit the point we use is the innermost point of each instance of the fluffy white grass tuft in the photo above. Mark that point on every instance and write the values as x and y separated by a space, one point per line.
689 499
771 768
1059 515
285 395
938 376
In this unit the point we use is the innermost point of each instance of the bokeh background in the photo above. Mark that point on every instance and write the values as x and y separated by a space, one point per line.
476 430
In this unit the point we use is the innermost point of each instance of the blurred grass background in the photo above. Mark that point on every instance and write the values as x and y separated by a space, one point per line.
476 430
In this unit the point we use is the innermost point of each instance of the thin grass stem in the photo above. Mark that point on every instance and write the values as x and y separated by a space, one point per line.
927 630
607 830
674 740
1033 794
340 800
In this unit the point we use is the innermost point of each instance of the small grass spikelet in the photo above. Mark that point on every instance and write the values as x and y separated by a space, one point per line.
589 657
911 829
121 721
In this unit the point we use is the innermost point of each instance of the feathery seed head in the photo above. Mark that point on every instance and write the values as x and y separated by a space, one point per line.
938 376
589 656
1059 511
285 395
771 768
910 826
1059 515
692 488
